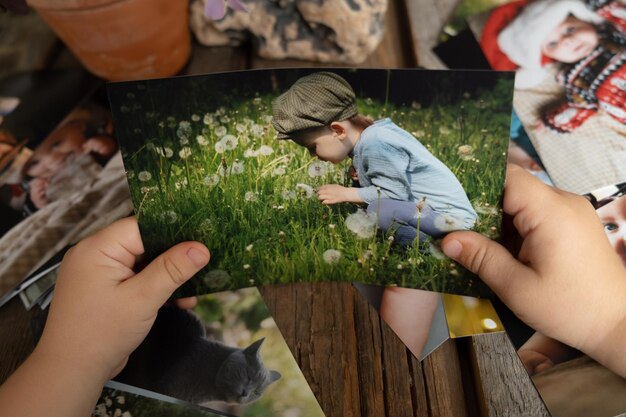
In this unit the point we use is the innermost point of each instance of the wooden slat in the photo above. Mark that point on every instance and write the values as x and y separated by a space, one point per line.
505 389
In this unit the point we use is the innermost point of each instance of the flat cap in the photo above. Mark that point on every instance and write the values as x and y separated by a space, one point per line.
315 100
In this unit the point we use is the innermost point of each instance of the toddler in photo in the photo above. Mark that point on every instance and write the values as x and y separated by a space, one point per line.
584 40
407 188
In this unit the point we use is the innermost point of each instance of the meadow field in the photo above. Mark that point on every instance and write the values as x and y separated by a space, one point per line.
215 172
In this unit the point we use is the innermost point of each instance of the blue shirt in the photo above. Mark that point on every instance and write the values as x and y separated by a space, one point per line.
390 158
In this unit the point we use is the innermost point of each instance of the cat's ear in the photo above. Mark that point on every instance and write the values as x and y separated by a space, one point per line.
274 376
253 349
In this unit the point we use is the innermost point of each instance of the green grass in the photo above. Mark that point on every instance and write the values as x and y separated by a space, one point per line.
277 238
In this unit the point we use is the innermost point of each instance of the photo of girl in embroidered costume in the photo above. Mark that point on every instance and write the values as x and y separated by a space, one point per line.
308 175
570 58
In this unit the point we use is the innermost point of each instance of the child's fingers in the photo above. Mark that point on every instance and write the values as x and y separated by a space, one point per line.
491 261
157 281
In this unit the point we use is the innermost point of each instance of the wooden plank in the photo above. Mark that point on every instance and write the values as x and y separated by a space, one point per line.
443 379
504 387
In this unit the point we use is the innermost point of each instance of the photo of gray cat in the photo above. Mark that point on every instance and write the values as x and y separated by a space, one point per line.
212 356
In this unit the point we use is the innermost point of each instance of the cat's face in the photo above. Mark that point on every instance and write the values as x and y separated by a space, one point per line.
242 378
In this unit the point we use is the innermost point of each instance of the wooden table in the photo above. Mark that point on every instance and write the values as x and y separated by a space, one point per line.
372 372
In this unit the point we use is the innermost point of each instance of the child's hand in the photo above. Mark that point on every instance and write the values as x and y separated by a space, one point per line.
567 282
102 309
38 187
102 145
334 193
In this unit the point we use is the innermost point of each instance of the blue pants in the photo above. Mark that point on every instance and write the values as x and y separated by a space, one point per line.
402 216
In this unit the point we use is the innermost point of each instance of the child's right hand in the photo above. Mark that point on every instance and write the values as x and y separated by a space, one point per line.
567 282
102 145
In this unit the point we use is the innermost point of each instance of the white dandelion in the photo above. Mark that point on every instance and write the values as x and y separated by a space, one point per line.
251 196
130 174
250 153
211 180
419 134
240 127
202 141
256 101
305 190
288 195
164 151
144 176
208 119
331 256
184 130
216 279
444 130
219 147
317 169
170 216
279 170
246 266
449 223
237 167
185 152
220 131
265 150
267 118
466 152
436 251
256 130
362 224
195 118
230 142
249 247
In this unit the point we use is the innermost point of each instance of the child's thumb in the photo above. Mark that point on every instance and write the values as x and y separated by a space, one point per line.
489 260
170 270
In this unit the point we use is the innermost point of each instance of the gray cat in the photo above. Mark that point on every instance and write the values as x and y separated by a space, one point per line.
176 359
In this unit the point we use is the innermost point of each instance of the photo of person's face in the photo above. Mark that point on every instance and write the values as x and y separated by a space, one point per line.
570 41
327 145
613 218
51 154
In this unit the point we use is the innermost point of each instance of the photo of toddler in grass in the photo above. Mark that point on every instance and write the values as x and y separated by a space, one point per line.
405 187
288 177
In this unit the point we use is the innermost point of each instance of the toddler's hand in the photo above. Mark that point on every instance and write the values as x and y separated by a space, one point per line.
102 309
102 145
38 187
334 193
567 282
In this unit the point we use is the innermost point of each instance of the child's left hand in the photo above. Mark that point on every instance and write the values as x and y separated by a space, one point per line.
335 193
102 309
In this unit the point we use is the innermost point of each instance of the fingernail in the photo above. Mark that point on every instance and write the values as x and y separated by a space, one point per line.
199 258
452 248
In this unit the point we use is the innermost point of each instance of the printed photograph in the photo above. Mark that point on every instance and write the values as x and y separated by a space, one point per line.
225 354
309 175
570 92
58 187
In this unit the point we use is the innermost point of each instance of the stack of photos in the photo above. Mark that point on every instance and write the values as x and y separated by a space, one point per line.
568 130
205 162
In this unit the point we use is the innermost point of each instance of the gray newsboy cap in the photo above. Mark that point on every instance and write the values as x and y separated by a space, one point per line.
315 100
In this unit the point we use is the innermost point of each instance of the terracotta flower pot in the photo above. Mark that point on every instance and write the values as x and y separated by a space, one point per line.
122 39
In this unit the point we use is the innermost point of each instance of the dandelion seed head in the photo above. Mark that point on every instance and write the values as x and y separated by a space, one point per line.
185 152
230 142
220 131
317 169
169 216
289 195
361 223
220 147
195 118
216 279
249 247
251 196
305 190
211 180
237 168
144 176
279 170
265 150
246 266
202 141
331 256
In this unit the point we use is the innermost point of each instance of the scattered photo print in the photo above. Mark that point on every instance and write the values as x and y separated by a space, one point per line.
121 400
57 188
204 163
417 317
570 86
225 354
470 316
